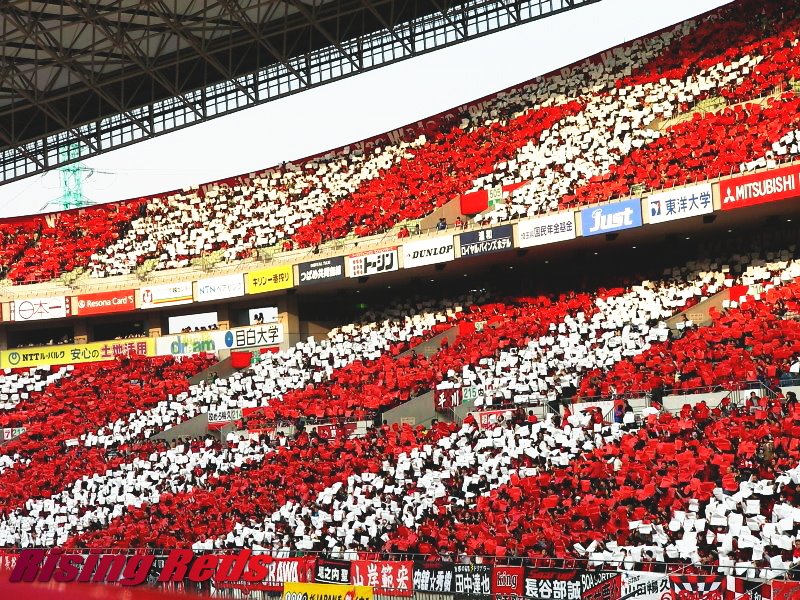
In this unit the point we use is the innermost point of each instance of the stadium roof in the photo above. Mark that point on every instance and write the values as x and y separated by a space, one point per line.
82 77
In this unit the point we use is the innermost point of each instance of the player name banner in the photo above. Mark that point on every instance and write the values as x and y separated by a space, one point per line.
447 399
319 271
68 354
270 279
680 203
759 188
37 309
559 227
640 585
428 252
104 303
434 577
219 288
322 591
394 578
332 571
609 218
172 294
224 416
486 241
372 262
472 580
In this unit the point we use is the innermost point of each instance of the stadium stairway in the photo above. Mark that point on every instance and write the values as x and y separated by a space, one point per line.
700 313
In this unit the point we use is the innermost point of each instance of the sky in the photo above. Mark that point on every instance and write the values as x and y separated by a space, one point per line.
358 107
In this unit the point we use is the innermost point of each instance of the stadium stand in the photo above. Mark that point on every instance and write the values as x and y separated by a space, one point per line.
241 491
570 456
661 111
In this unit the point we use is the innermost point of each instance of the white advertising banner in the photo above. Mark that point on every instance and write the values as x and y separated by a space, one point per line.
255 336
428 252
372 262
219 288
224 416
558 227
680 203
171 294
36 309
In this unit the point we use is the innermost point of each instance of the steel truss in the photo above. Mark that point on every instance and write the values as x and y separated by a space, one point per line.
101 75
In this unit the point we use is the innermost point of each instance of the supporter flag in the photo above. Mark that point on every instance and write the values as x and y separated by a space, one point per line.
698 587
388 578
332 571
434 577
785 590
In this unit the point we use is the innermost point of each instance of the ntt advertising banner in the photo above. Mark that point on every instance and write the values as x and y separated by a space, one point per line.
37 309
486 241
611 217
546 230
104 302
428 252
749 190
171 294
70 354
678 204
219 288
319 271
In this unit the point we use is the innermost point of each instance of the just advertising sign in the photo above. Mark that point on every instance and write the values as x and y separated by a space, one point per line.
611 217
680 203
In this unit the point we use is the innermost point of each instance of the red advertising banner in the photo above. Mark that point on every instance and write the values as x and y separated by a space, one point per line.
508 582
278 572
768 186
332 431
392 578
489 418
104 302
785 590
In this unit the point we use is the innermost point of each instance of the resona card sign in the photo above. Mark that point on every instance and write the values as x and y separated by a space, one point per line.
609 218
486 241
318 271
428 252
